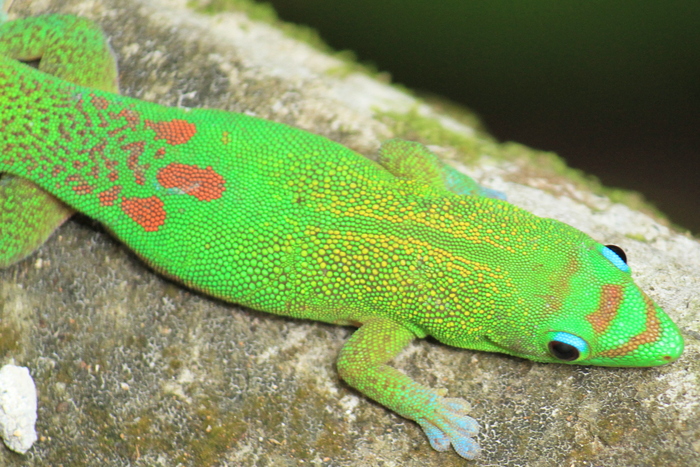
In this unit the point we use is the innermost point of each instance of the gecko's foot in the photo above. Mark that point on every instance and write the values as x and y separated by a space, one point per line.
450 425
495 194
413 161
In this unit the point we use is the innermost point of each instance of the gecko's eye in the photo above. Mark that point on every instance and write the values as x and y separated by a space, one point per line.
567 347
617 256
563 351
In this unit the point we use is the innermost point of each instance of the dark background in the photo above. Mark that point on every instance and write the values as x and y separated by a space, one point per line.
612 86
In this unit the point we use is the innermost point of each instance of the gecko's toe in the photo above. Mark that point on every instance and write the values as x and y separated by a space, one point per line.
456 416
438 439
450 425
466 447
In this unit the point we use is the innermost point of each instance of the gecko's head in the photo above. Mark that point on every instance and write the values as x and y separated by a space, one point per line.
592 313
624 328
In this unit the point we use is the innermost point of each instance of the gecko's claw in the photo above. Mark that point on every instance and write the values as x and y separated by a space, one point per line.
450 425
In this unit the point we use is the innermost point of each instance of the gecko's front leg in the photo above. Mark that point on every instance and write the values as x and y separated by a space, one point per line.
362 363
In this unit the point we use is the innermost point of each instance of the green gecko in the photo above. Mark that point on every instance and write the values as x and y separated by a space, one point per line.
284 221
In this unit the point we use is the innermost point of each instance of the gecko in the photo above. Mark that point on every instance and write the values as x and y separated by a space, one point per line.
285 221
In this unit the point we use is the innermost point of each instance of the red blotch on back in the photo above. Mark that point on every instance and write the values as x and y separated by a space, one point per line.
82 187
108 197
146 212
57 170
173 132
132 121
203 184
135 150
100 103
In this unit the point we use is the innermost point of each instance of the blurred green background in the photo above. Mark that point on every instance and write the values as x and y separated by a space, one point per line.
612 86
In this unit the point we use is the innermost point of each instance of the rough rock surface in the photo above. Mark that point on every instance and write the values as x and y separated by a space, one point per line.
135 370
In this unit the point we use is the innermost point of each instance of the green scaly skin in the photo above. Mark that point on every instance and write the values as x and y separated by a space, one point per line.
284 221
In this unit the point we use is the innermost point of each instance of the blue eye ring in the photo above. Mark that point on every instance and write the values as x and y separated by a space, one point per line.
567 347
617 256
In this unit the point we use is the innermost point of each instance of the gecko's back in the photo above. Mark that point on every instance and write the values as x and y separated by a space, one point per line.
188 190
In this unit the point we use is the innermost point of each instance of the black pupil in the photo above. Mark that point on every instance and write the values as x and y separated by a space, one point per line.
619 252
563 351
